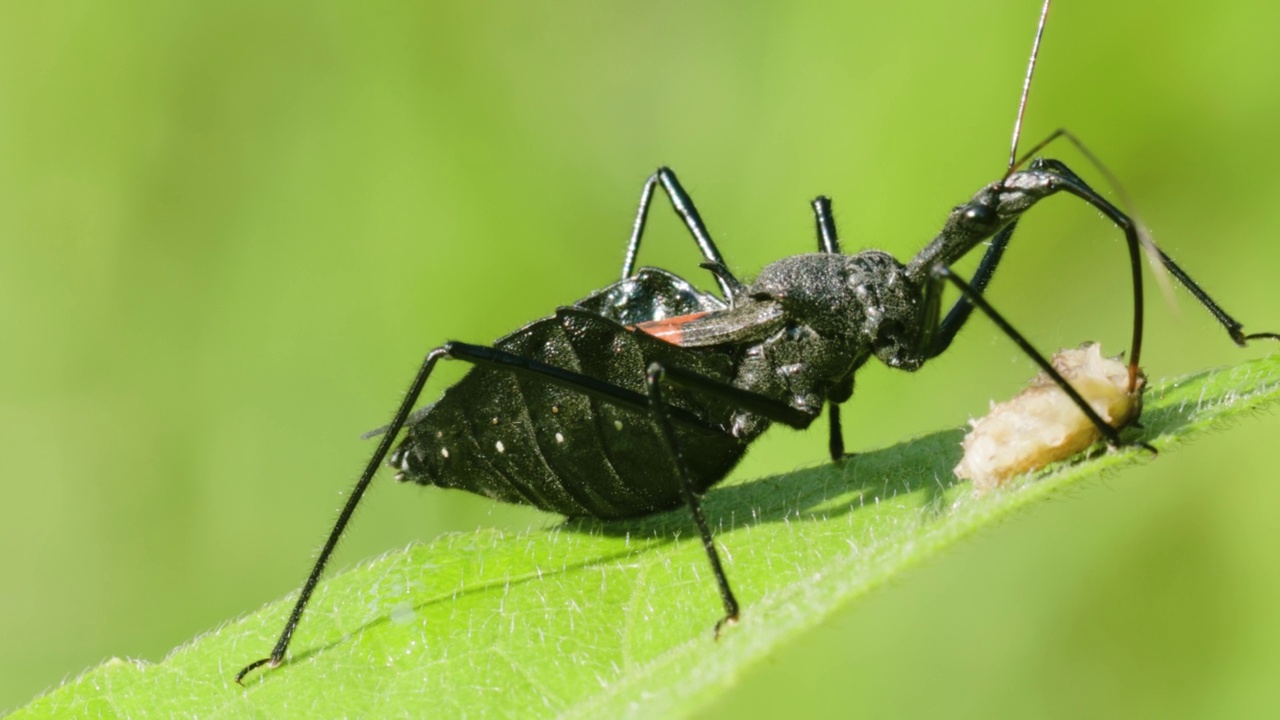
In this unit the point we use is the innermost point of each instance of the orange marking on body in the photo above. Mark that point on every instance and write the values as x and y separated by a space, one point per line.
669 330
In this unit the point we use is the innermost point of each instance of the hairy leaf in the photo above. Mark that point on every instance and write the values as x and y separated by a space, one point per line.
591 619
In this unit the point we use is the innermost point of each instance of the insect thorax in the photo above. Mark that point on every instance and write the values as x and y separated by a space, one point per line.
840 310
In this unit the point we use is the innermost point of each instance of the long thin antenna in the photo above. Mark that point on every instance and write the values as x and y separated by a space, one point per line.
1026 89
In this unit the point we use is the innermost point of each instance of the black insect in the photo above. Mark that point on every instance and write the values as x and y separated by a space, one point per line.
643 395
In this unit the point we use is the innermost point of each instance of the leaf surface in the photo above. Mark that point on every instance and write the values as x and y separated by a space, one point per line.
591 619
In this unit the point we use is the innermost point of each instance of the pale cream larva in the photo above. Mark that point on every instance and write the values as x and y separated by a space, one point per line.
1042 425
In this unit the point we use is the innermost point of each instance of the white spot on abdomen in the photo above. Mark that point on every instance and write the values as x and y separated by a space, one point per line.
617 424
444 452
500 447
559 437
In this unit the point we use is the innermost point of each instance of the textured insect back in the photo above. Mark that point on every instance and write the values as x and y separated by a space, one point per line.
1042 425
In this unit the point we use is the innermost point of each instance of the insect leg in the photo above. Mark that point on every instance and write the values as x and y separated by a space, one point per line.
349 508
1062 178
1233 327
825 222
499 359
960 311
941 272
664 415
1003 202
688 212
829 242
1230 324
775 410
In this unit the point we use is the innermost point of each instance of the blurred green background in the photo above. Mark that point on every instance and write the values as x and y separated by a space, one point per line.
229 232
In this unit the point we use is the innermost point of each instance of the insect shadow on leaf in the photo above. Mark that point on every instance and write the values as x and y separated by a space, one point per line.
642 396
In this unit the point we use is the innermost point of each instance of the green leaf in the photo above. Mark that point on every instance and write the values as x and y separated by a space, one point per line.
591 619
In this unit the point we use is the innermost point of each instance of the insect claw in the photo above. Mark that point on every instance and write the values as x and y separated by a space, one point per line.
1137 444
725 621
272 662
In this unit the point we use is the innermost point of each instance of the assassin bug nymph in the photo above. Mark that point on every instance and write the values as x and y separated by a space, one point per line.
643 395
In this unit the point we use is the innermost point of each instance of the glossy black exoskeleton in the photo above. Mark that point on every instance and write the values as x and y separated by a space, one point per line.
645 394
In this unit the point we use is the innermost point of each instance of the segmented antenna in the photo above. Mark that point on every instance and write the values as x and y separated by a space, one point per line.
1026 89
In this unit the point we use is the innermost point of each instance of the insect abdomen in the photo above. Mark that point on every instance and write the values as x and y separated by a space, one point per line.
520 439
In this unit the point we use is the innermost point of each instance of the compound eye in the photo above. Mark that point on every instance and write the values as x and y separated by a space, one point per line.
980 215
